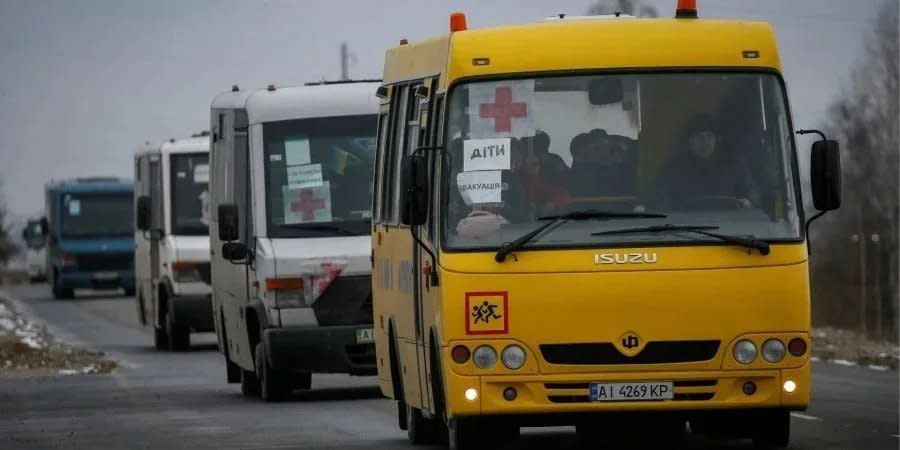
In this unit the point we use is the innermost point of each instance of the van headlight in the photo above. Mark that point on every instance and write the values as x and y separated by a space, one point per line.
744 351
513 357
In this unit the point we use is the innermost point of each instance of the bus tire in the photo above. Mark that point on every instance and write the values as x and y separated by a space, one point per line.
462 434
60 292
774 430
419 430
249 384
273 386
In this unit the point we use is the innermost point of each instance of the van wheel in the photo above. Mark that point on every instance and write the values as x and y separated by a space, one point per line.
774 430
160 338
179 337
462 434
302 381
419 430
249 383
60 292
272 384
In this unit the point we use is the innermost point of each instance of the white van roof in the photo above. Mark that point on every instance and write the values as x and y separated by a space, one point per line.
312 100
231 99
194 144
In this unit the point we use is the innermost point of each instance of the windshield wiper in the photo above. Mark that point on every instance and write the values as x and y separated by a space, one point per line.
320 227
745 241
510 247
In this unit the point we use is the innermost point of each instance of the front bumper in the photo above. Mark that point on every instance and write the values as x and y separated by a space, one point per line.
568 394
330 349
109 279
193 311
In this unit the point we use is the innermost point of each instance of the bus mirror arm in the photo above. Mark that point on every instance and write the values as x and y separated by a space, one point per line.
415 202
825 176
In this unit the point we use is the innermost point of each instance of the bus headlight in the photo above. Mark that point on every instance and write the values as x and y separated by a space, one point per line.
773 350
744 351
513 357
484 357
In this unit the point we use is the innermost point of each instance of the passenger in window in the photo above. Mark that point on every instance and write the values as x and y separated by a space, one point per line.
553 168
541 195
704 174
602 165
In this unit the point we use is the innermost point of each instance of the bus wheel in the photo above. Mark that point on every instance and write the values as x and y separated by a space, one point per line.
272 384
774 430
419 430
249 384
462 434
60 292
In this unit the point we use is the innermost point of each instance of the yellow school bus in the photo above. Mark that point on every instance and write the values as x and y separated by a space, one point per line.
593 221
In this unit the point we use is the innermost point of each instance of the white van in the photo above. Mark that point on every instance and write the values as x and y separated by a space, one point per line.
171 255
291 185
35 251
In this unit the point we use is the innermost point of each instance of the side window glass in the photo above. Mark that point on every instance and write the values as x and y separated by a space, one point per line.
380 157
396 150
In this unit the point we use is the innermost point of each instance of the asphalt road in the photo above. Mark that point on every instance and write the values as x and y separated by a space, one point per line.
180 400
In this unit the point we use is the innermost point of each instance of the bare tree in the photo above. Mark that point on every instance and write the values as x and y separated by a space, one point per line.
629 7
8 248
858 271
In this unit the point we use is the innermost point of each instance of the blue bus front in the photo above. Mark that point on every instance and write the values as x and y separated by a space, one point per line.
92 237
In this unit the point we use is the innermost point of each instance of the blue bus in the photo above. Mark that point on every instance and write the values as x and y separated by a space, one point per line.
89 225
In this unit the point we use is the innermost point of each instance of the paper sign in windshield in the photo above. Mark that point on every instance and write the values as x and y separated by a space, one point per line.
296 151
486 154
306 176
307 205
201 173
480 187
74 207
501 109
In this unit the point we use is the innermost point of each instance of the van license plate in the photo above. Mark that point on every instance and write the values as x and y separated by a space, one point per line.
365 336
105 275
618 392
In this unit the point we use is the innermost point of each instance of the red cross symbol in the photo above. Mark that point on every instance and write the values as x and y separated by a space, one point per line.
307 205
503 109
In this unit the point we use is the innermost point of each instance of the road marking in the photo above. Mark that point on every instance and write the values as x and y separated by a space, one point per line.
805 417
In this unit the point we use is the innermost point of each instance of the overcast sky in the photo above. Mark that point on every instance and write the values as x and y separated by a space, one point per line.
83 83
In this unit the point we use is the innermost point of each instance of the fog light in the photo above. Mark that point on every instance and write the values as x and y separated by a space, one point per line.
471 394
749 388
510 394
790 386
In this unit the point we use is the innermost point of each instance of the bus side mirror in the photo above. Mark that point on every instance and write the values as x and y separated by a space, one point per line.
234 251
825 175
143 213
414 190
228 222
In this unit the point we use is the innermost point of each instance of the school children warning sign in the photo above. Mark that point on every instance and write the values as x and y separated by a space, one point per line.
501 109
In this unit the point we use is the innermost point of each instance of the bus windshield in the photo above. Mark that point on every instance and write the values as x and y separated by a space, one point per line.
319 176
699 148
190 184
91 215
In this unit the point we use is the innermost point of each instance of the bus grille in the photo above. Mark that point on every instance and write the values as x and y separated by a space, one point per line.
605 353
579 392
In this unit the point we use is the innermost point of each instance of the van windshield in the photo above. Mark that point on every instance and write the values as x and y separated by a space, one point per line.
319 176
95 215
190 194
701 148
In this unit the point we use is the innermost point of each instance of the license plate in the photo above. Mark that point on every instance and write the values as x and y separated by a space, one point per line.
105 275
365 336
618 392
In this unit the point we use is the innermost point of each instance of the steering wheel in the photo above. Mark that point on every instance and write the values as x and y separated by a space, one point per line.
719 201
